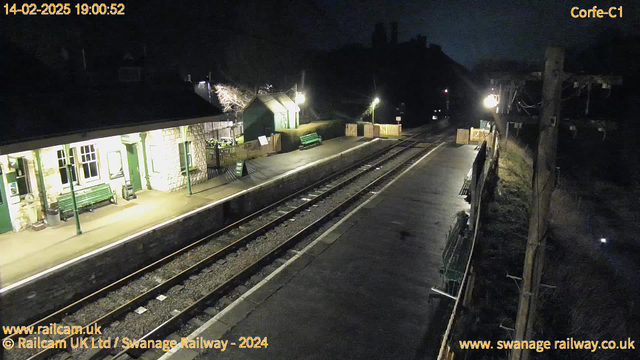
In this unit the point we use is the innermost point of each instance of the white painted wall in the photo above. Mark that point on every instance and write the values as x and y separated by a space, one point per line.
163 162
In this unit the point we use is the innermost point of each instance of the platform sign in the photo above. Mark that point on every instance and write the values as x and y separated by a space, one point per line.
398 118
241 168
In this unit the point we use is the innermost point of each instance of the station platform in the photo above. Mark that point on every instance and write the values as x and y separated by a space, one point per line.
26 253
361 290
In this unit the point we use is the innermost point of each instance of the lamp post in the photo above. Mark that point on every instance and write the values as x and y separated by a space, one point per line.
373 110
300 99
73 194
446 94
490 102
186 158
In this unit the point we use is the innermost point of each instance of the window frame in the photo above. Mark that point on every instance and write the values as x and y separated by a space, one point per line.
88 158
74 166
120 173
23 165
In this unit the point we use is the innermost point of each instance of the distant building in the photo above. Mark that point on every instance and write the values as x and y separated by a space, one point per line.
268 113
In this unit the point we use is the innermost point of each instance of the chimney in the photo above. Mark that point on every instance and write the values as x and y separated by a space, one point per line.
394 33
379 36
422 41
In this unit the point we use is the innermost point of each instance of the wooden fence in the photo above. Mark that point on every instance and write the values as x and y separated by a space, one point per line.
462 137
371 130
249 150
390 130
473 135
351 130
478 135
377 130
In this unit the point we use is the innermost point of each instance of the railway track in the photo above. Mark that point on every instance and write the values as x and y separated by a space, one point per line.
251 238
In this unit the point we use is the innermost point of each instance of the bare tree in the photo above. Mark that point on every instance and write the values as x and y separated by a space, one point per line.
233 98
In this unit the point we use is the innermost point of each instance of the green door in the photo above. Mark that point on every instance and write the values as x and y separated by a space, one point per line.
5 219
134 167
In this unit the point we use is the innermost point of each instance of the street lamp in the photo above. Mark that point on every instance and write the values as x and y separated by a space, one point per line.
373 109
446 93
300 98
491 101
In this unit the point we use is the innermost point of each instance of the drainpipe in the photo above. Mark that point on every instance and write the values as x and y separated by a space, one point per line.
143 139
186 158
73 194
43 191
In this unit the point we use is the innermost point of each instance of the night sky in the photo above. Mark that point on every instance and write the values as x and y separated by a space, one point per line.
477 29
198 34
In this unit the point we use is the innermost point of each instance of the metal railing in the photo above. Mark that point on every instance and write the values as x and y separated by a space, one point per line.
484 167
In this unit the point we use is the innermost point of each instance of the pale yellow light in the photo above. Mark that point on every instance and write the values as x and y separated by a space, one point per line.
491 101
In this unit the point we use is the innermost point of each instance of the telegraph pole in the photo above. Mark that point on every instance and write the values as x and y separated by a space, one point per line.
543 185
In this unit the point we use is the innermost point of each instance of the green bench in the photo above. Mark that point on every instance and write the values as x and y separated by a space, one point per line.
85 198
310 140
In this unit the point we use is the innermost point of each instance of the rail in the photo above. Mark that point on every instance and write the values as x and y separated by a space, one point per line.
105 319
170 325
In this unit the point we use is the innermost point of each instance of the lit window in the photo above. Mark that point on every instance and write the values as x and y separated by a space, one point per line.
22 176
62 166
89 162
181 152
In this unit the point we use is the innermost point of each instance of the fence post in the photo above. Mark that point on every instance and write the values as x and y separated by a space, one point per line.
217 155
477 171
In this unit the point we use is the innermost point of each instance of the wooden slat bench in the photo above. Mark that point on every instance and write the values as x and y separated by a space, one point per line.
310 140
85 198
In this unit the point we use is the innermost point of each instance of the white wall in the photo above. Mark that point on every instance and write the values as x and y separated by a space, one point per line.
162 153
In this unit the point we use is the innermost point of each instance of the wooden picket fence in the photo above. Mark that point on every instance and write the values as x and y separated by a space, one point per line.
390 130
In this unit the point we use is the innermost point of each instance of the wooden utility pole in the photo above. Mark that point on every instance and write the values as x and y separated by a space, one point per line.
543 185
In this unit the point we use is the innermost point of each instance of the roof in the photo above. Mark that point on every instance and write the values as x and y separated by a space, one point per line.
43 116
276 102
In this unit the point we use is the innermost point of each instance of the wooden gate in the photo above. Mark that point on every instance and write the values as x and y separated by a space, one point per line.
351 130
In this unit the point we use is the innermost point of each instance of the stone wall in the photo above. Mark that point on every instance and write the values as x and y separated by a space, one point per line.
164 153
